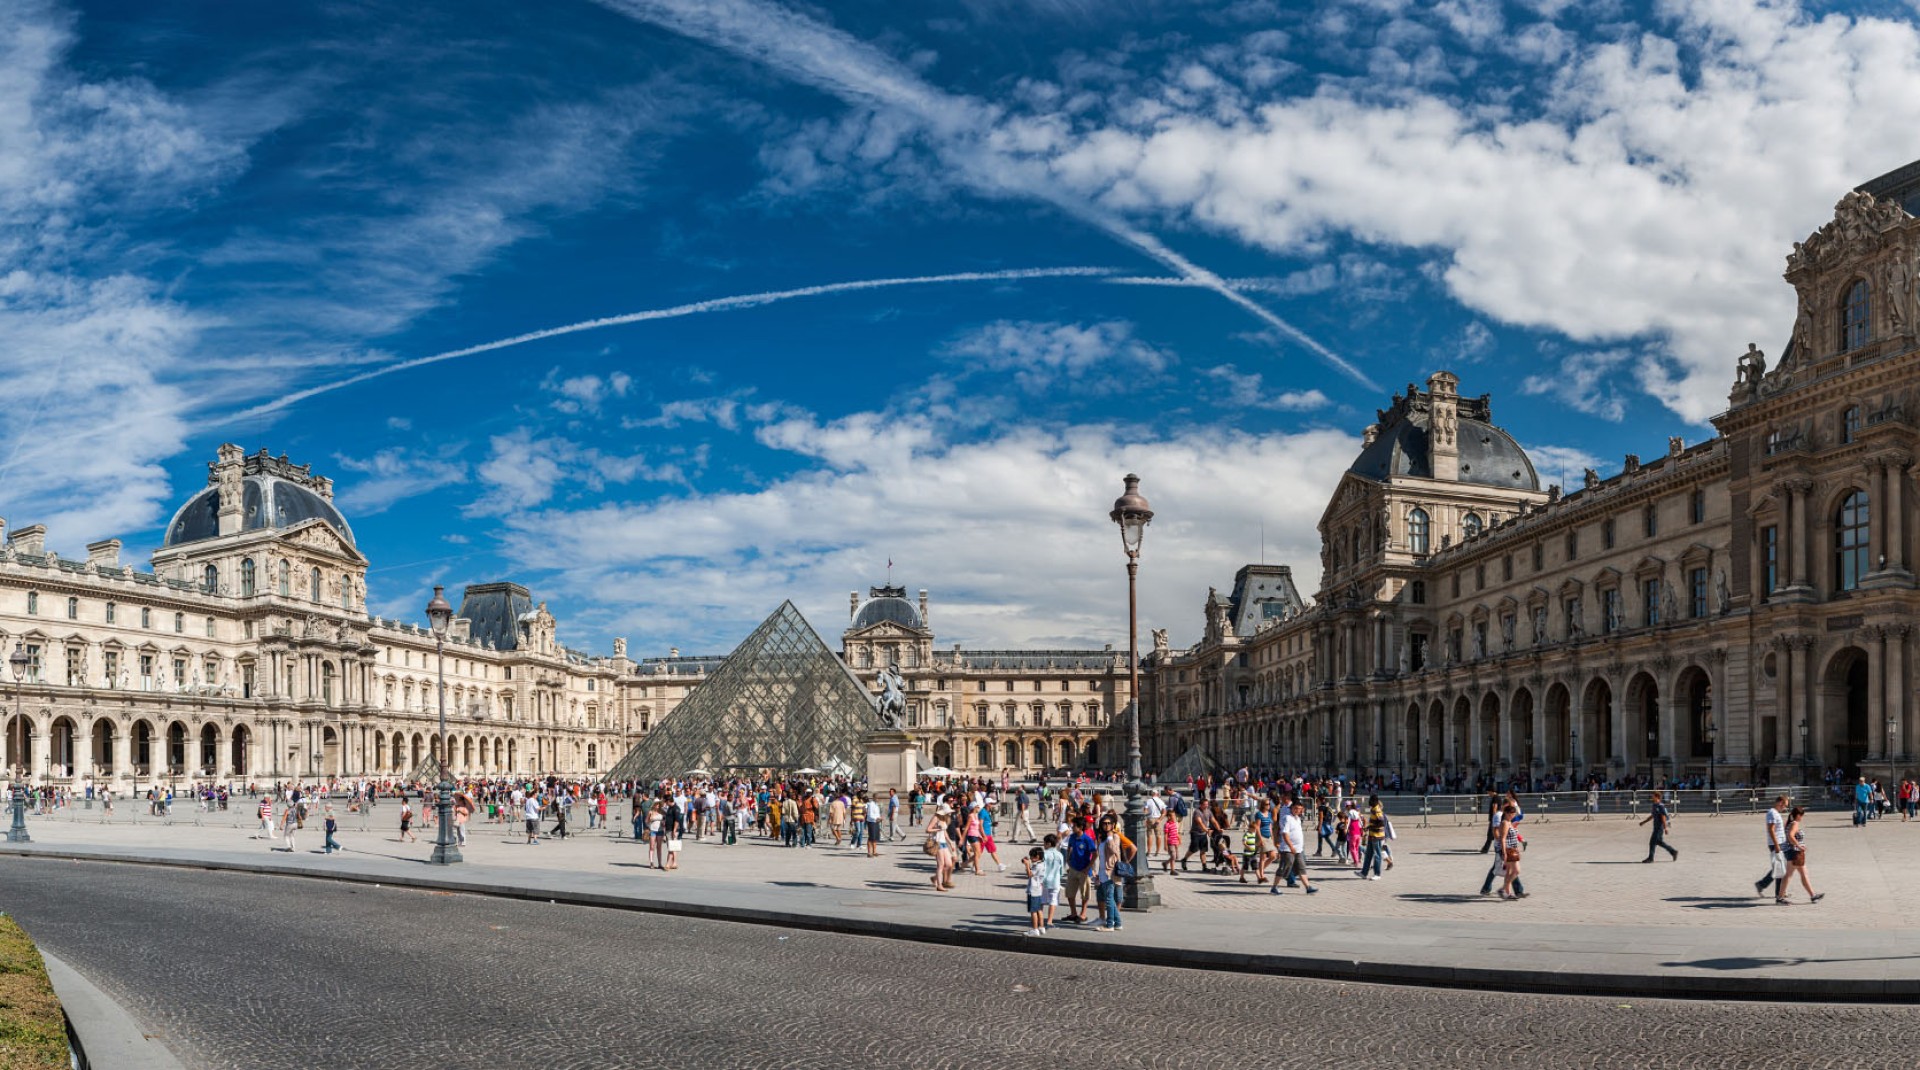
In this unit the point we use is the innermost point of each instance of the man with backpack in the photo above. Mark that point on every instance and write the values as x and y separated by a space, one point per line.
1078 884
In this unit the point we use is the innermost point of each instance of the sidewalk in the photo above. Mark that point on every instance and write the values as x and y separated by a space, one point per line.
1597 921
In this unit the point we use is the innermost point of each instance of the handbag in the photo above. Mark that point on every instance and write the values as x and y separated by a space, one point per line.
933 850
1779 865
1123 871
673 845
1513 854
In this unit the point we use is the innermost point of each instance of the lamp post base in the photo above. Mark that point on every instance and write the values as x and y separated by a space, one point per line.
1138 893
18 833
445 851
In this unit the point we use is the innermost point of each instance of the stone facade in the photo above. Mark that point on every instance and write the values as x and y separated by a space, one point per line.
1746 602
985 711
247 653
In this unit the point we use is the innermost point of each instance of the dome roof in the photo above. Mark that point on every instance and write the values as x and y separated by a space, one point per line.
1488 456
889 609
267 502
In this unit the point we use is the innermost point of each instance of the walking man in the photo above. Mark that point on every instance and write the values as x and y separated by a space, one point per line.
1776 840
1022 805
1293 857
1658 818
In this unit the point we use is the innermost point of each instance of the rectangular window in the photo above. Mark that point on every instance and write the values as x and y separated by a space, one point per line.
246 680
146 618
73 609
1573 545
1417 592
146 672
247 629
1453 645
179 672
1417 651
1539 557
179 623
33 663
1610 605
1697 588
111 612
1651 592
76 674
1606 534
1769 561
210 627
1850 424
1697 510
112 658
1650 522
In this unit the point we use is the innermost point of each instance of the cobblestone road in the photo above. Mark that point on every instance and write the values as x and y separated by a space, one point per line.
249 972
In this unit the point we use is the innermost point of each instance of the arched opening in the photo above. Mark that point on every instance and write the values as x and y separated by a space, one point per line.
1521 744
1695 692
239 749
19 742
942 755
1596 749
210 579
330 751
1844 724
209 758
1559 744
176 757
1012 751
61 756
1643 734
379 751
313 581
1090 754
143 756
1039 755
983 755
102 749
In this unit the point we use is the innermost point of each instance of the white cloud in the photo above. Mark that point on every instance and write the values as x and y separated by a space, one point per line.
1246 390
1098 356
583 394
1582 382
523 471
393 475
1010 532
1563 465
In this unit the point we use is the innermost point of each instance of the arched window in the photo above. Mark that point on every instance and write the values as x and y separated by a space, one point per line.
313 580
286 578
346 592
246 578
1850 542
1471 524
1855 314
146 617
112 612
1418 531
983 755
73 609
209 579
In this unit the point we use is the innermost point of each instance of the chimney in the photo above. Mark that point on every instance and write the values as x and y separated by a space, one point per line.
1443 425
31 539
673 651
104 554
853 605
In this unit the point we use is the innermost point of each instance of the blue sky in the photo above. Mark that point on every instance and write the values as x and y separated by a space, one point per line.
1203 242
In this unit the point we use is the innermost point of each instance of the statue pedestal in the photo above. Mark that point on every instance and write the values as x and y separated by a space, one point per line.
893 762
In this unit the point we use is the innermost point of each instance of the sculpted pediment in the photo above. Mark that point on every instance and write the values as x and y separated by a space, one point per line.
319 535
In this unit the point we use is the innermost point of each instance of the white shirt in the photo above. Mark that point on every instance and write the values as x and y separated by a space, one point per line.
1776 828
1292 833
1155 808
873 811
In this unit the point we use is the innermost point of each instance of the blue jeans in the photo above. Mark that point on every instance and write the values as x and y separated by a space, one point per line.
330 846
789 833
1110 904
859 833
1371 860
1860 813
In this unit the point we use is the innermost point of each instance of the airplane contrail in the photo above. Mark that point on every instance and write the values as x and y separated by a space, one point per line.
717 304
843 65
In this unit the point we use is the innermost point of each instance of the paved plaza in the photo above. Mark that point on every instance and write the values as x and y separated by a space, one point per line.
246 972
1598 919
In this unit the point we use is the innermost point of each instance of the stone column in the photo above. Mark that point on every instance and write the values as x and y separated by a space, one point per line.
122 752
1797 699
1876 691
1895 679
1896 510
1797 511
1877 504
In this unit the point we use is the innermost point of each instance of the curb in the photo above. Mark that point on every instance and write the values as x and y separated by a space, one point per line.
100 1031
1362 970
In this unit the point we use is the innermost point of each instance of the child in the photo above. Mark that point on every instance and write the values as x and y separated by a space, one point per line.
1036 890
1250 851
406 822
1172 834
1053 867
333 826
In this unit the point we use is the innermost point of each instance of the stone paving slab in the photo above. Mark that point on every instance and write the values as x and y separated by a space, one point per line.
1597 919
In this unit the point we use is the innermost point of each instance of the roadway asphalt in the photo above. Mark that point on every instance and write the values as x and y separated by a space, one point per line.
272 972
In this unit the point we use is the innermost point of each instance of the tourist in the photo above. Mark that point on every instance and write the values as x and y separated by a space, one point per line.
809 817
1293 862
1082 851
1376 839
332 826
1776 842
1593 800
266 819
1107 875
290 825
789 820
1170 832
406 821
1202 838
893 816
1862 803
837 817
1795 854
1908 797
1022 805
940 847
987 844
1499 866
1154 807
1036 890
1510 851
1053 867
870 818
1657 817
1494 807
531 812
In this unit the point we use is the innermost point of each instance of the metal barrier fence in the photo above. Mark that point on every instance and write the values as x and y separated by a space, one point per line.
1542 807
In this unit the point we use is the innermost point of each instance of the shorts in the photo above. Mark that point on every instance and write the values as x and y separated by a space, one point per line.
1292 865
1036 903
405 822
873 830
989 845
1050 897
533 825
1076 884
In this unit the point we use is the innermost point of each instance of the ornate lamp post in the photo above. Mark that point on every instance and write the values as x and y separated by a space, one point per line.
1132 513
1573 750
1712 735
19 662
1803 752
439 615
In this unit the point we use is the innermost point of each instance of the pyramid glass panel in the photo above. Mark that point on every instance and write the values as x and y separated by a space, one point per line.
783 701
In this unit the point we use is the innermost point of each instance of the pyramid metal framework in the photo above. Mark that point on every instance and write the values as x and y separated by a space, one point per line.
782 701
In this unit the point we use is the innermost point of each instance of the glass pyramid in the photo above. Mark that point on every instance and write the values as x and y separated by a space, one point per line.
782 701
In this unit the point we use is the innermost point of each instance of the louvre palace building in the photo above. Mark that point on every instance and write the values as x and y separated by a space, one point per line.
247 653
1747 602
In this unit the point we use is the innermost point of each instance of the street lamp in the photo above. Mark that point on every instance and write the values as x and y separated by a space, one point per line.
1893 734
1573 752
1132 513
439 616
19 661
1803 752
1326 755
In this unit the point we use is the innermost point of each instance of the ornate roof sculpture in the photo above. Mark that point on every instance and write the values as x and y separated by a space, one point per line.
781 701
1399 444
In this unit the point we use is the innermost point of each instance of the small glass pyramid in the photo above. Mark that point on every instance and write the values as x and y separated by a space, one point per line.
783 701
